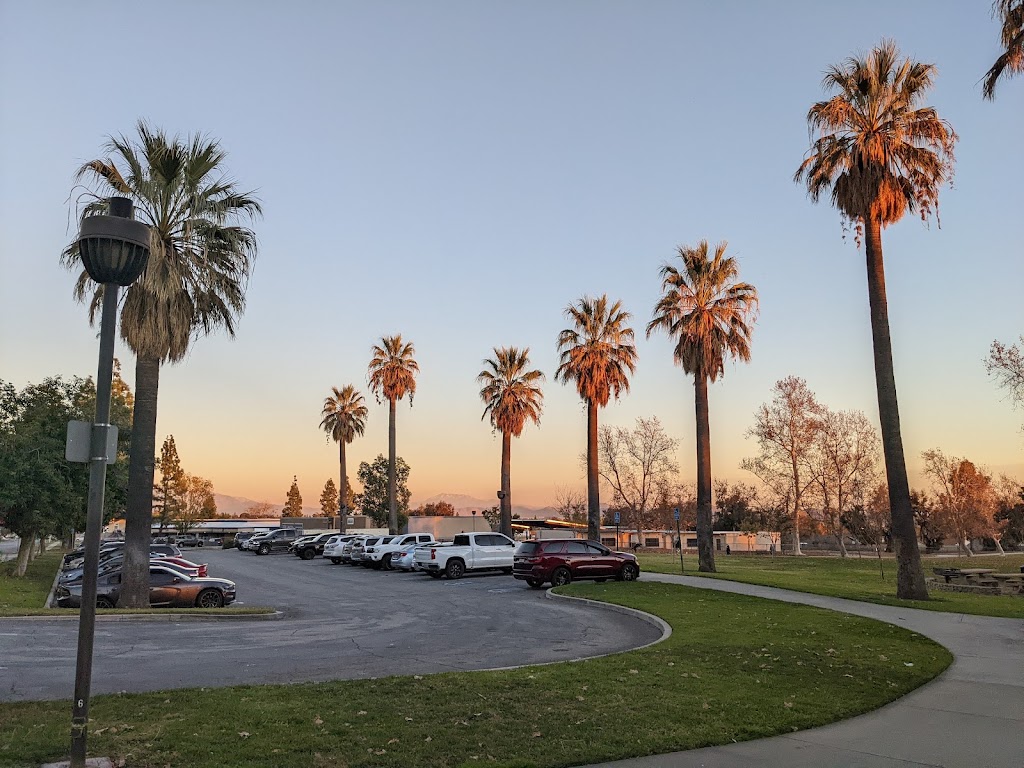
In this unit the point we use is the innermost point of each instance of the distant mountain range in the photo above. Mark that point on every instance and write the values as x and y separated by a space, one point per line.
236 506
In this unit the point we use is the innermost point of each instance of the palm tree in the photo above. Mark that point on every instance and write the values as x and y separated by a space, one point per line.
1011 61
511 395
709 316
392 374
881 155
199 264
344 417
598 354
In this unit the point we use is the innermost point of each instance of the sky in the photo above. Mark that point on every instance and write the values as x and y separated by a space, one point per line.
460 172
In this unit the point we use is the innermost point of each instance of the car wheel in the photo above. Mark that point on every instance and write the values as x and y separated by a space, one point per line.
264 549
455 569
435 574
308 554
336 560
629 572
210 598
386 564
535 583
199 544
507 571
104 602
561 577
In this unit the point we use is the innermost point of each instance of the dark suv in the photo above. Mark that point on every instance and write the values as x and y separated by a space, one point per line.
561 561
312 547
276 541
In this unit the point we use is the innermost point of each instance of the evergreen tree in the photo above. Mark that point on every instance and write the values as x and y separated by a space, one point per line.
374 499
329 499
169 493
293 506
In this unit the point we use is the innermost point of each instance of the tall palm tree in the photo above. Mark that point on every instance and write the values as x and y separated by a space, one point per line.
194 284
881 155
598 354
1011 61
709 316
392 375
511 395
344 417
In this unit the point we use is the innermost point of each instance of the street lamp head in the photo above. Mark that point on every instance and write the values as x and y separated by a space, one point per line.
114 248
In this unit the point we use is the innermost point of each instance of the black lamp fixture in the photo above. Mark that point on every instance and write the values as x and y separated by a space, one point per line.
114 249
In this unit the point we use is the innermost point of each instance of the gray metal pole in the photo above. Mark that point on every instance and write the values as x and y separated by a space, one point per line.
94 523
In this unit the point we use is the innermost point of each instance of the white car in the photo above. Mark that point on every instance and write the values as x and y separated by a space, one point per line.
335 545
380 554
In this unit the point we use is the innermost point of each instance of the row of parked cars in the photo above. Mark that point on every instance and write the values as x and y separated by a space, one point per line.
174 582
537 562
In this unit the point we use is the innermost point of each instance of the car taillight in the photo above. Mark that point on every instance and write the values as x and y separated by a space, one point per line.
433 554
202 570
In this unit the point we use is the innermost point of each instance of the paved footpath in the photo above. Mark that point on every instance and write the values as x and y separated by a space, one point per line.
972 715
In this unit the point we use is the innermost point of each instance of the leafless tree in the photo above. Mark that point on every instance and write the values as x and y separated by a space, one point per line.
571 504
842 463
786 430
637 464
1006 363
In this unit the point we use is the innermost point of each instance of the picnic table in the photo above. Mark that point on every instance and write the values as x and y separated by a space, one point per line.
1006 583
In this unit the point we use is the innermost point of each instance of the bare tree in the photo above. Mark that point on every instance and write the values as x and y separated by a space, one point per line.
571 504
786 430
637 464
842 464
1006 363
964 496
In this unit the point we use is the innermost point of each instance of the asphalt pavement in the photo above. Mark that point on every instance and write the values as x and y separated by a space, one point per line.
338 622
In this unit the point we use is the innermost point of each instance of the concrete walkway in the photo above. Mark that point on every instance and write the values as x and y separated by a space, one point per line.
972 715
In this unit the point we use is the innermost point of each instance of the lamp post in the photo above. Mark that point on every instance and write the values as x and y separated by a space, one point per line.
474 521
114 251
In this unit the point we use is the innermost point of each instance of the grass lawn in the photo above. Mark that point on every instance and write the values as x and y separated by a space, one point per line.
853 578
735 668
27 596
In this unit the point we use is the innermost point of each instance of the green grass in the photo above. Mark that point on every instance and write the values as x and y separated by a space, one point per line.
26 596
853 578
19 596
735 668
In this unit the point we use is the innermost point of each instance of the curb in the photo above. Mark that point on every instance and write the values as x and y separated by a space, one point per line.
53 589
650 618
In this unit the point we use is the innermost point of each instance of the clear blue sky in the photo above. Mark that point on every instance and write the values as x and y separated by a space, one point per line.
459 172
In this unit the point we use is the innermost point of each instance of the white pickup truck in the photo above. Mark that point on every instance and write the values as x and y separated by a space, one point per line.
467 552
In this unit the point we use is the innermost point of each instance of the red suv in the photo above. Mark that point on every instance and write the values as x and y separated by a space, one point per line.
560 561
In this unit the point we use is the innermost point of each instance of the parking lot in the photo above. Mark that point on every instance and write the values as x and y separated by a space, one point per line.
338 622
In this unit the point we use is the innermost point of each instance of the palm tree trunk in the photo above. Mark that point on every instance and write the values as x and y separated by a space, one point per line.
343 496
593 492
138 524
705 545
909 575
506 483
392 473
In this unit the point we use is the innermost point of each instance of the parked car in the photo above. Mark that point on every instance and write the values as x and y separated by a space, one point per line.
358 552
334 546
311 546
243 536
277 540
404 559
380 554
189 541
467 552
167 588
562 561
348 548
185 567
77 558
